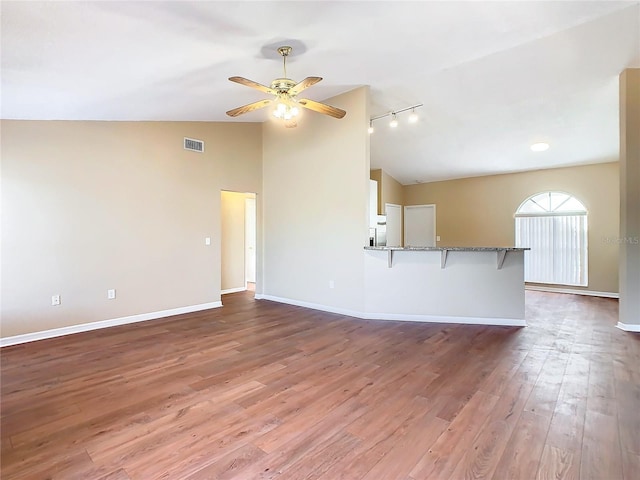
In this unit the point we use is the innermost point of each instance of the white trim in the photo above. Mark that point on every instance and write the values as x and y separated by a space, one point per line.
573 291
314 306
503 322
86 327
627 327
550 214
233 290
509 322
584 210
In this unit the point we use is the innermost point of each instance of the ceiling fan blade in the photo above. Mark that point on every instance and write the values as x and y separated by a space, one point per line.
252 84
322 108
290 124
304 84
249 108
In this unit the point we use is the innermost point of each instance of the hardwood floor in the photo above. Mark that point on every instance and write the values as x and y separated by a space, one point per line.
260 390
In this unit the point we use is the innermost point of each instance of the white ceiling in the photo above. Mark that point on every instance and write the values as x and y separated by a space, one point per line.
494 77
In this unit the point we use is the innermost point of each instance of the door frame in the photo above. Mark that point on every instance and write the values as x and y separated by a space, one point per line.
250 198
247 195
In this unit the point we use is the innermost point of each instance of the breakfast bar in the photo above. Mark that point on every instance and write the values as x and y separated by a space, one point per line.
476 285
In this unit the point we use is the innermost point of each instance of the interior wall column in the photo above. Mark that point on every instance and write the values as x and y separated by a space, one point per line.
629 318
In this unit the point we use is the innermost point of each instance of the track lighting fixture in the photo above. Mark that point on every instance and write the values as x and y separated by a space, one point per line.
413 117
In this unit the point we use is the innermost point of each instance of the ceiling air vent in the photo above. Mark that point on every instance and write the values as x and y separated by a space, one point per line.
193 145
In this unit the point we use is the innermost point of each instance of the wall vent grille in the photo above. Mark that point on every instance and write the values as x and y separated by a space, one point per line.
193 145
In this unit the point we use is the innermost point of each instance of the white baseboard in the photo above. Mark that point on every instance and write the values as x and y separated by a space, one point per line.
627 327
233 290
573 291
86 327
502 322
313 306
509 322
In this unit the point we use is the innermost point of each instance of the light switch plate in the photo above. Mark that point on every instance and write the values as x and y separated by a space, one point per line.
207 240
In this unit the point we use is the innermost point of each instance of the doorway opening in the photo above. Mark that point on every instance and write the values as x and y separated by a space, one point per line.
238 242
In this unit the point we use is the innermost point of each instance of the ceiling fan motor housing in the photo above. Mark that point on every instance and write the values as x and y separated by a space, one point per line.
282 85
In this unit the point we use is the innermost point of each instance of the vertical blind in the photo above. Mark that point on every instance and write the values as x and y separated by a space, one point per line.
558 248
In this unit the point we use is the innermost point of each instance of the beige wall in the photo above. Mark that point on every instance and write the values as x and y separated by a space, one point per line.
479 211
233 240
389 189
377 176
392 191
89 206
315 200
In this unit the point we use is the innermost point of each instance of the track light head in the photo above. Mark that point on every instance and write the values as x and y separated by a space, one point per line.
413 117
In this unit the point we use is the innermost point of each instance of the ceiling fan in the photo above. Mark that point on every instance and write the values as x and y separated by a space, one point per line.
285 91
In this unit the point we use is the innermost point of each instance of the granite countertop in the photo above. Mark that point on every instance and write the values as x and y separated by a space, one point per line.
448 249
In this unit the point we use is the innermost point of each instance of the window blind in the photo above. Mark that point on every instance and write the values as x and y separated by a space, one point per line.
558 245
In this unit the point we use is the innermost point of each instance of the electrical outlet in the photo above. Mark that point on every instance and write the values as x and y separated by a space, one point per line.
331 284
111 294
437 238
55 300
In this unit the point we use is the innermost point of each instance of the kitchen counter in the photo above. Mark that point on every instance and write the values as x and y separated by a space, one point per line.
449 249
444 252
478 285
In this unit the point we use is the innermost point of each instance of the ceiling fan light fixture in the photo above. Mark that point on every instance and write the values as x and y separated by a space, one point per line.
280 110
285 111
394 121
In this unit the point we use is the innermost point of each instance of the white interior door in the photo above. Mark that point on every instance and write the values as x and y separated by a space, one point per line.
250 240
420 226
394 224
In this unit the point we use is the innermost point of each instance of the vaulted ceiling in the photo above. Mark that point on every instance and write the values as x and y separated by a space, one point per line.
494 77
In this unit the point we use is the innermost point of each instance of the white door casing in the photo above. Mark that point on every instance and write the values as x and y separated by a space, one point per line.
250 239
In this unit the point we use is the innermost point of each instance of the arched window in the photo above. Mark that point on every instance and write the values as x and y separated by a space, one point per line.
554 226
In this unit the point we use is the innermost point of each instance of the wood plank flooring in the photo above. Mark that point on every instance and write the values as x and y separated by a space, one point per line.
260 390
